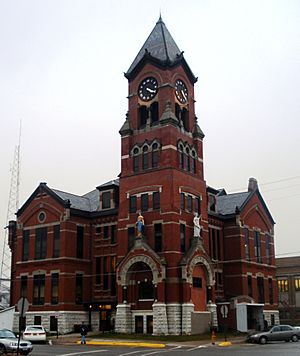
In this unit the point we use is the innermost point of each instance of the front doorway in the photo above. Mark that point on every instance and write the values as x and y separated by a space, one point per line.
139 324
105 320
149 324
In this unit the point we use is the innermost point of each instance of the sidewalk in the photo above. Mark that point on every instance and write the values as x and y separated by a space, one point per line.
72 339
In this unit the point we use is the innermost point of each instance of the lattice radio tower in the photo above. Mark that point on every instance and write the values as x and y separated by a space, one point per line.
13 205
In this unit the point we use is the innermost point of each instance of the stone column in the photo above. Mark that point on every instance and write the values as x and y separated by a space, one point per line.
212 308
174 318
160 321
123 319
187 310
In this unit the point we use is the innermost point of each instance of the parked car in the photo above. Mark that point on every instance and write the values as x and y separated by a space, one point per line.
276 333
9 343
35 333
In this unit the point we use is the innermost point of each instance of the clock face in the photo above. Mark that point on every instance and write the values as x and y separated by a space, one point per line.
148 89
181 91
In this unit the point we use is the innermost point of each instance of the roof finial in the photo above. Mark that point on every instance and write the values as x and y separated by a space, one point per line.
160 19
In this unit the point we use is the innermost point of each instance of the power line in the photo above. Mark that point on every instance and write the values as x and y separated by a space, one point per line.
268 183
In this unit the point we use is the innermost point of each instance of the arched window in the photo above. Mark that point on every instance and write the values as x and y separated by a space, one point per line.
182 115
193 162
181 157
136 160
145 157
185 118
154 155
177 111
187 157
187 160
154 113
143 116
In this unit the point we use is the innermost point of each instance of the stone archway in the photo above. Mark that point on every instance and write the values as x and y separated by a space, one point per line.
123 277
206 304
135 289
187 272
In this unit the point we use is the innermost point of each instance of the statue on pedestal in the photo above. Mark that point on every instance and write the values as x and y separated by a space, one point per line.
197 226
140 225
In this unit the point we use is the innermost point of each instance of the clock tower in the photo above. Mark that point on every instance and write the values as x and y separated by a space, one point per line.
164 269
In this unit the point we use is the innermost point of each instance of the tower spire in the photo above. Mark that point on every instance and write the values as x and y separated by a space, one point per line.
161 50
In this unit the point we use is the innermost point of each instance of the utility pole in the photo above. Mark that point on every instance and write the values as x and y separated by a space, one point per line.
13 206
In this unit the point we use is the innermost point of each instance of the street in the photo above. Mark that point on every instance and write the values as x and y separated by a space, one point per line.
280 349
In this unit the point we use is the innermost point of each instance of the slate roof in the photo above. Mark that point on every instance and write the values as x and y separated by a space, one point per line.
227 204
160 44
111 182
88 202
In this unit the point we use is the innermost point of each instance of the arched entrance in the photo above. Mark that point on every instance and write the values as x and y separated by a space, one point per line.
199 278
199 287
138 278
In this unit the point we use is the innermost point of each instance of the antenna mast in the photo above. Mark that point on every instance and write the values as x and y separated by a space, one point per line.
13 206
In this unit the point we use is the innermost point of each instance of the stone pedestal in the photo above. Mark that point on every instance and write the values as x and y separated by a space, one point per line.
123 319
187 310
174 318
160 321
212 308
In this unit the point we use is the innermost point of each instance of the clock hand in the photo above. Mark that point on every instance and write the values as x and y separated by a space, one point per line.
183 94
150 90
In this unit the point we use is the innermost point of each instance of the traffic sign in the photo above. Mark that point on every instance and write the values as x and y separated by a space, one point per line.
23 306
224 310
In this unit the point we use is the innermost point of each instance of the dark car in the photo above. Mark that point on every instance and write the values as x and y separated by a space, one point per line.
9 343
276 333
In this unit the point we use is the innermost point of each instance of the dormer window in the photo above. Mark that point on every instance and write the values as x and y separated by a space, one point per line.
211 202
106 198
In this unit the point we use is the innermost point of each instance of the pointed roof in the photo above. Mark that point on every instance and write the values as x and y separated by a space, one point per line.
161 49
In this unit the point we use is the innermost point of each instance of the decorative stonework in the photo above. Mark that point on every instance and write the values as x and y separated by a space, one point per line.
160 321
174 318
157 275
123 319
187 271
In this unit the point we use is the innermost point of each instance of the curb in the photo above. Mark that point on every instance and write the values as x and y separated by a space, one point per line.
124 343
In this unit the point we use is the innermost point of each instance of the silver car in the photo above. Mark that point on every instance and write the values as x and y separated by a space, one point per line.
9 343
276 333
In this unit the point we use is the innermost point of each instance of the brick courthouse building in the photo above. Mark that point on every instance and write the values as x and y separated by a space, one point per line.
82 258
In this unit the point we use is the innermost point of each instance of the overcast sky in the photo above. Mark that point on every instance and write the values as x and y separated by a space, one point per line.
61 72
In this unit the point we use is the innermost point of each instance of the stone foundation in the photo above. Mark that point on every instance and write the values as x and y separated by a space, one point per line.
174 318
187 310
160 321
123 319
65 321
268 317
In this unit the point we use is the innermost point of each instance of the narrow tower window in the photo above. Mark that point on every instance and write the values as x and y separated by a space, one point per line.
154 113
143 115
145 157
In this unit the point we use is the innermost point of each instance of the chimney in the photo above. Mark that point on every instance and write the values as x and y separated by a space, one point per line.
252 185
